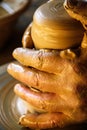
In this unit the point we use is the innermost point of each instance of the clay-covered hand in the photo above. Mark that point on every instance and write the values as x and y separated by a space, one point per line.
54 83
78 10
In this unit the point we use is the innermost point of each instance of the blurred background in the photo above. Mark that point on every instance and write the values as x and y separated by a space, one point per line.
15 38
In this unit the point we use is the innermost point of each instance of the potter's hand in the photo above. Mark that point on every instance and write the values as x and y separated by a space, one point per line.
56 84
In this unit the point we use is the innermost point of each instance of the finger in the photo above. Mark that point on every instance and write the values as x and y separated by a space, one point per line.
41 101
27 39
46 120
35 78
45 82
48 61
